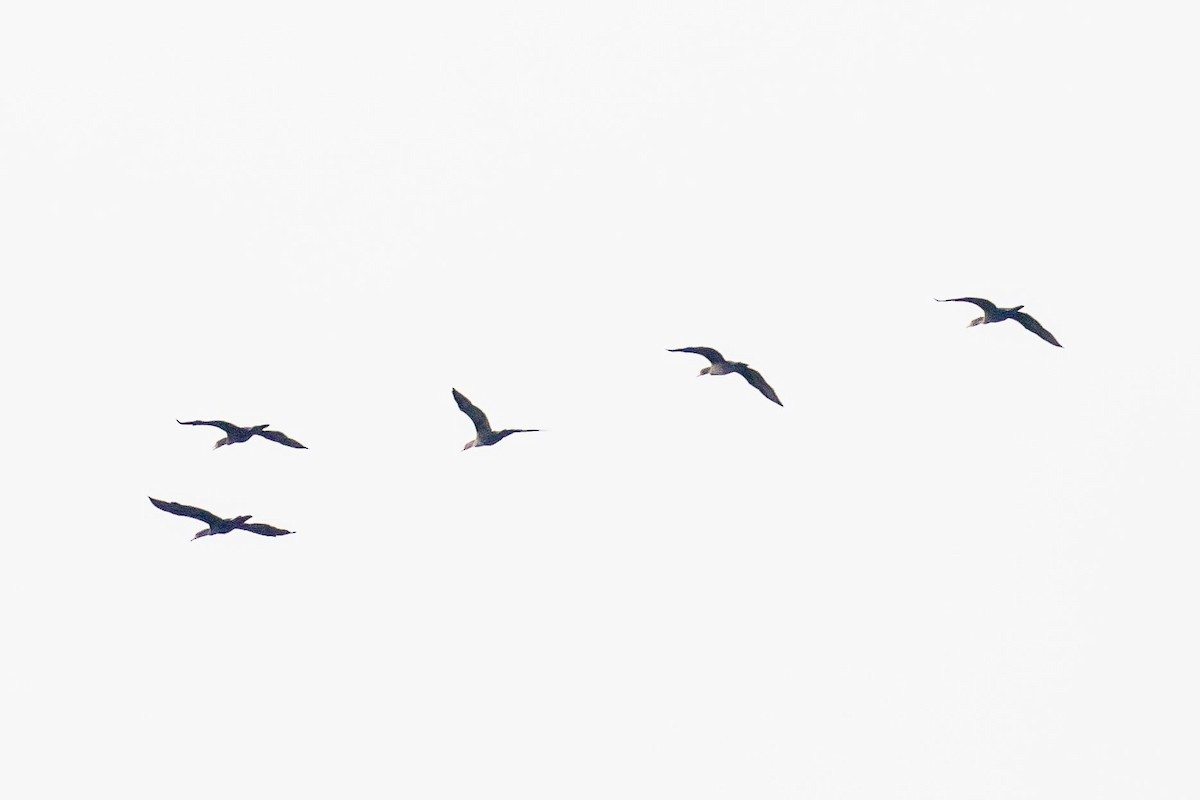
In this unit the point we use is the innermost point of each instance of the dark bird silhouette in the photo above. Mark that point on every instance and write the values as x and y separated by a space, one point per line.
722 367
484 435
992 313
234 434
216 524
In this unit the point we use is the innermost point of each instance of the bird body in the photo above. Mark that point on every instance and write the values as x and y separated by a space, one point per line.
719 365
484 435
217 525
993 313
235 434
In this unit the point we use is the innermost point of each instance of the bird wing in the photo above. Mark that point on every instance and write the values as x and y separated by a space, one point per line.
712 355
507 431
180 509
228 427
987 305
471 410
277 436
1033 325
262 529
755 379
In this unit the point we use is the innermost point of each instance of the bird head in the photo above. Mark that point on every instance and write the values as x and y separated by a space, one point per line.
704 371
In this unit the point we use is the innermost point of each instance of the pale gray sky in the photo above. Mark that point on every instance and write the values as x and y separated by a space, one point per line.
957 564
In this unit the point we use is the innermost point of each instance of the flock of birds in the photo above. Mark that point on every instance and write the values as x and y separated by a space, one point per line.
486 436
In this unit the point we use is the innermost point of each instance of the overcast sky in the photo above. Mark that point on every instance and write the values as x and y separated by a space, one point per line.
958 563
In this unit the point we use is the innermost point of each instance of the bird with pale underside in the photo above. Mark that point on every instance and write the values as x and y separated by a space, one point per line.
719 365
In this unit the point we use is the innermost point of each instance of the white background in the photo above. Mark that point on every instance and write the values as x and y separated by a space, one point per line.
957 564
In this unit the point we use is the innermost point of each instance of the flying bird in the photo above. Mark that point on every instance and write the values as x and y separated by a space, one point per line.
484 435
991 313
722 367
235 435
216 524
